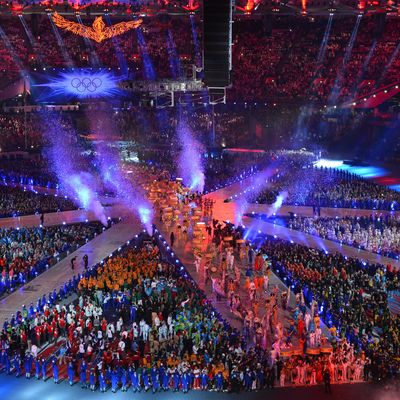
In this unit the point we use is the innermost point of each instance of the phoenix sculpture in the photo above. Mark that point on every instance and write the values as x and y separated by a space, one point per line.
98 31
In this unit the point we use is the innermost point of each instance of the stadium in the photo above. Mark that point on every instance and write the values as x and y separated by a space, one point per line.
200 198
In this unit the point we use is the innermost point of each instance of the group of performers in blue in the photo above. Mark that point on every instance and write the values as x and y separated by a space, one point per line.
155 379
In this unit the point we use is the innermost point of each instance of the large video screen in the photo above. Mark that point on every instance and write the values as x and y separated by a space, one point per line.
75 84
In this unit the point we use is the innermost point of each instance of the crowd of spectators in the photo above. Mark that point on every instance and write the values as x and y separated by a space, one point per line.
27 252
16 201
351 297
144 128
266 63
379 234
24 131
376 233
168 44
93 5
14 130
151 134
325 187
165 334
158 128
28 172
142 323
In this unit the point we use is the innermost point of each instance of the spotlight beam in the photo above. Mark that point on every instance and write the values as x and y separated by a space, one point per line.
322 49
30 38
93 57
60 43
149 70
118 52
174 62
197 51
363 69
190 165
302 120
336 86
23 73
388 65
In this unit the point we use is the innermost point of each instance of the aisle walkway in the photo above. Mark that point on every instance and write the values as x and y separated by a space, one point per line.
97 249
184 250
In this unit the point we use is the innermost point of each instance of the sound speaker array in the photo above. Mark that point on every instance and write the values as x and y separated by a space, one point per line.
217 42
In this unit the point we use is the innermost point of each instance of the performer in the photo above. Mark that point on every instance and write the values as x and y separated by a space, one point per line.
123 380
114 380
86 261
37 368
134 377
73 260
307 319
155 378
55 370
197 262
17 366
219 382
185 382
70 371
260 377
83 375
165 381
92 379
248 380
28 365
43 361
146 381
196 373
204 380
102 382
282 377
176 380
252 290
300 326
327 381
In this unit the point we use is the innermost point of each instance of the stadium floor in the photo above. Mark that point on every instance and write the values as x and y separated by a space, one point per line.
23 389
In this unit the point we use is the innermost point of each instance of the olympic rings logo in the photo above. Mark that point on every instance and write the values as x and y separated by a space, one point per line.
86 84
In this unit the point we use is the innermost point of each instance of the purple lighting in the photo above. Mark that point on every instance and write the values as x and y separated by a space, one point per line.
190 165
74 183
